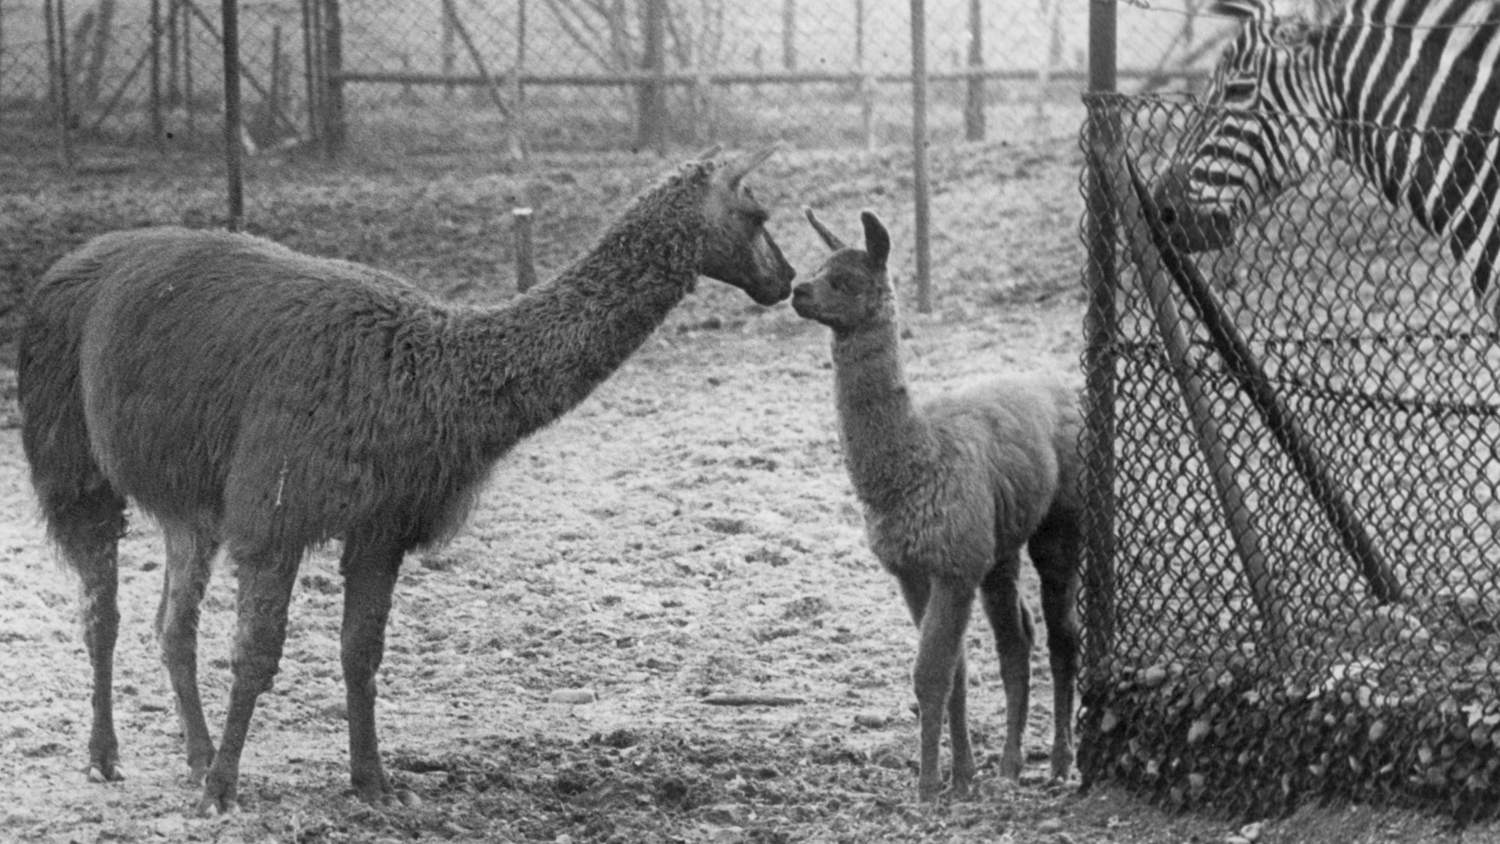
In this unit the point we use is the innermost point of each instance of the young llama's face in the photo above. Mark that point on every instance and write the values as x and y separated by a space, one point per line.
852 289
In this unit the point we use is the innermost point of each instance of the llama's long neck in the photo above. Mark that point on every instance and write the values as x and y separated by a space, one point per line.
884 439
533 359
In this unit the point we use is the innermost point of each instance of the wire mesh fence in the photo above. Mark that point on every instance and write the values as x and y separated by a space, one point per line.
92 74
1295 468
474 76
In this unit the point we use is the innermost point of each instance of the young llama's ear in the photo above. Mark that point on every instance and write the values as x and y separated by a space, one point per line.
830 239
877 240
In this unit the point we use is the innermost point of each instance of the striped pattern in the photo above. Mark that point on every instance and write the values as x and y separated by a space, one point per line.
1289 95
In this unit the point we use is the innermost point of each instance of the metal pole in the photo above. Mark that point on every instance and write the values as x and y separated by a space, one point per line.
974 100
919 152
158 131
312 64
334 129
2 56
1101 329
230 12
64 94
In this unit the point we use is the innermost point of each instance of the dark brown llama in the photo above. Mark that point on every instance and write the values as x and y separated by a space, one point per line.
254 398
952 491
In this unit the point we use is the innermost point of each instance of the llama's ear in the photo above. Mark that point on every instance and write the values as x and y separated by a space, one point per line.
739 169
877 239
829 237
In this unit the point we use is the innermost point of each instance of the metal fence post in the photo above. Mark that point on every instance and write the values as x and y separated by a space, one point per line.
158 130
919 153
233 124
334 130
1100 335
974 95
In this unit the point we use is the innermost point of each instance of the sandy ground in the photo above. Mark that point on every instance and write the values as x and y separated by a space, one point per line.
687 532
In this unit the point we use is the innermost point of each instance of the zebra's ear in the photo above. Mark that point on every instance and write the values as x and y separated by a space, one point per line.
1256 10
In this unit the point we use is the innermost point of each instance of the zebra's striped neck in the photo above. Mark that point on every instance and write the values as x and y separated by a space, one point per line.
1406 91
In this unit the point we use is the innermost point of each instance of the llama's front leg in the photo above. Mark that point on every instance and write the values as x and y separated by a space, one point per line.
265 590
942 629
1014 634
189 553
369 568
958 726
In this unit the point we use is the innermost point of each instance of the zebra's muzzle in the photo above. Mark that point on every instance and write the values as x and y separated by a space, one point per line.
1188 229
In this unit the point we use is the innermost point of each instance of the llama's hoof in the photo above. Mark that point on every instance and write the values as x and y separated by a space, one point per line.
105 772
219 798
386 796
213 807
928 792
958 790
1010 769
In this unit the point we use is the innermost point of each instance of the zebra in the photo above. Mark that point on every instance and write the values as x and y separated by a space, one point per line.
1288 95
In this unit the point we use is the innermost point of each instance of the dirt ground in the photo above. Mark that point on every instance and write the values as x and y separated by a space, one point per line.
687 533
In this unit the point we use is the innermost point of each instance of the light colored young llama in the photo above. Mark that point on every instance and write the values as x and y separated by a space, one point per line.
251 397
952 491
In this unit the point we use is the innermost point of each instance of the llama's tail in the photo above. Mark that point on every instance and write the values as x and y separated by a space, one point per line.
83 511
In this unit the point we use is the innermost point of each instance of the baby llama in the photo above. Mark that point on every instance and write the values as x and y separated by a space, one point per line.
952 491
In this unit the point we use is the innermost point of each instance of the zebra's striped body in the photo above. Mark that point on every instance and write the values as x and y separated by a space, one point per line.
1405 91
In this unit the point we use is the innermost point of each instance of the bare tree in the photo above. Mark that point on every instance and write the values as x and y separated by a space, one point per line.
617 35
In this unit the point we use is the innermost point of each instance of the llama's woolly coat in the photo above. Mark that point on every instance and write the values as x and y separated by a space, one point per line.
219 375
940 482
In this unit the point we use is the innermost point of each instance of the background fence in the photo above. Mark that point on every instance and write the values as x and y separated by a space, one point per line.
1257 636
502 76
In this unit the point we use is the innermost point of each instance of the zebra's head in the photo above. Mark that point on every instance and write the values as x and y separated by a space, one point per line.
1260 129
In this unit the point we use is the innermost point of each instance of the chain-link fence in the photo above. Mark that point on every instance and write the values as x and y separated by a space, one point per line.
1294 452
130 75
474 76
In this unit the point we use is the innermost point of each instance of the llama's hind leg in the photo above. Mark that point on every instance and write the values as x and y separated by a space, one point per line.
1057 557
87 530
941 609
369 567
1014 634
263 596
189 553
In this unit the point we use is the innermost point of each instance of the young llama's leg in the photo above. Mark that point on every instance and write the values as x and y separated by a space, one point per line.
265 578
189 554
1057 555
369 567
940 609
1014 634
